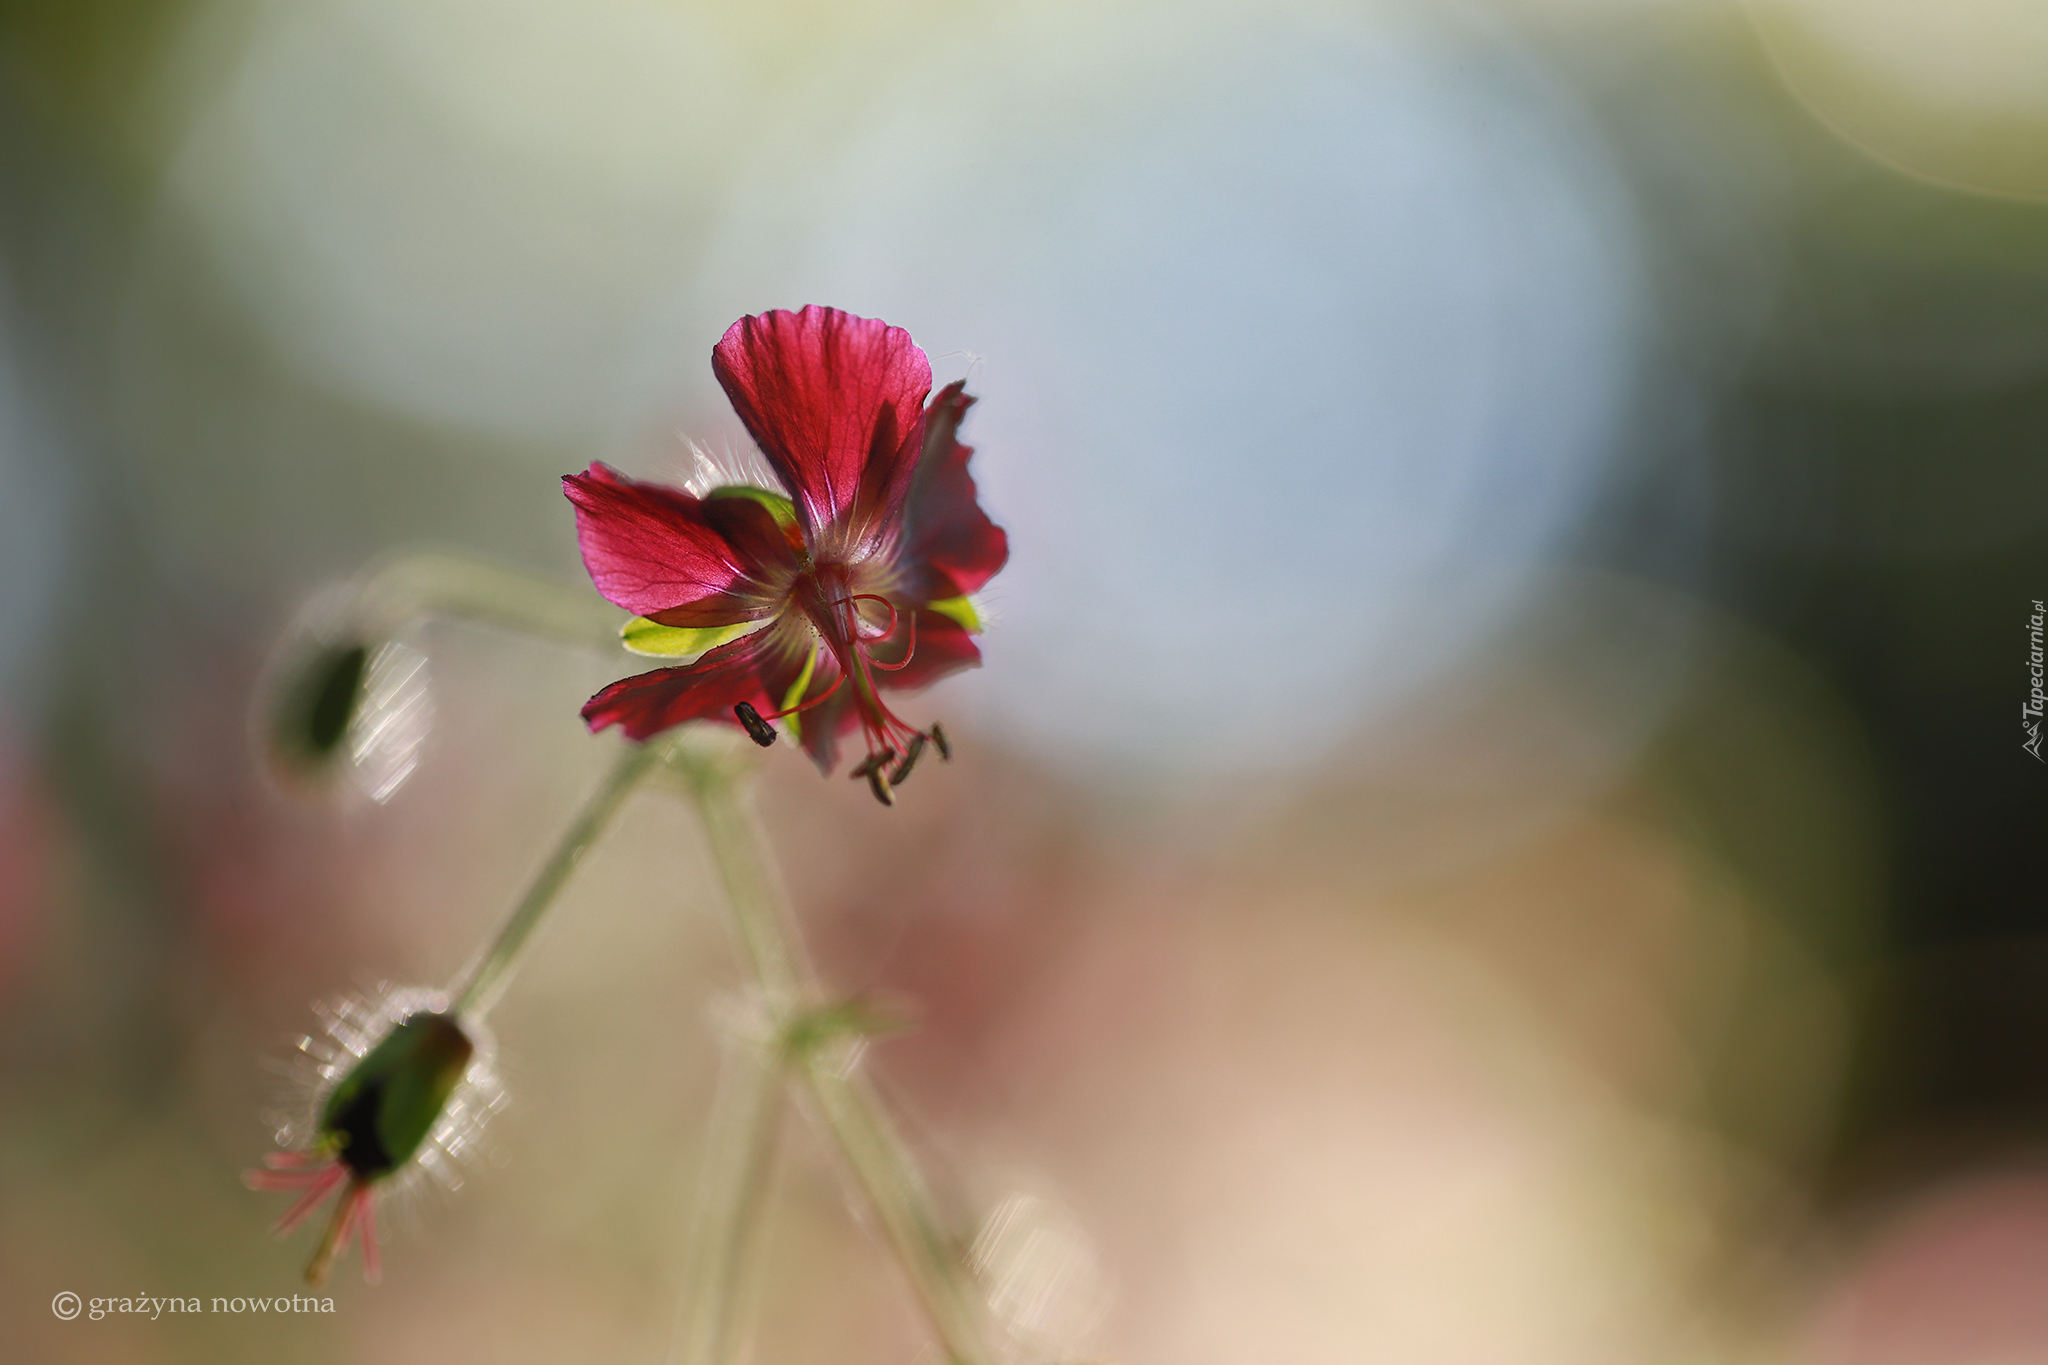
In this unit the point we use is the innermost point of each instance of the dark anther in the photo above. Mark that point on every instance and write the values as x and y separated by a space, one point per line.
878 783
939 738
758 730
874 763
909 760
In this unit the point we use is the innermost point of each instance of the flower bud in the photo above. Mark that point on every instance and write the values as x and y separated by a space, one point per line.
344 703
408 1084
317 704
377 1116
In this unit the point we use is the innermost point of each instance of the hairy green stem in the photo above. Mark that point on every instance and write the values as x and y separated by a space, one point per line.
902 1201
760 910
816 1058
405 587
488 976
746 1123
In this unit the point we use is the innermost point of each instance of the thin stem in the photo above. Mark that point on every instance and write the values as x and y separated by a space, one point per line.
406 587
853 1114
759 908
902 1201
487 978
746 1122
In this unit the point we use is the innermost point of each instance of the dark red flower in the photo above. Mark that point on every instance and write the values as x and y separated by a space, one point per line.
807 602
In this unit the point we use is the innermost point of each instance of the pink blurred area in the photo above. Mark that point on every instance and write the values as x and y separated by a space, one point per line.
1956 1274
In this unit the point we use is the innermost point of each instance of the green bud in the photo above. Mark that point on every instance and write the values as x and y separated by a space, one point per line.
387 1104
317 704
343 702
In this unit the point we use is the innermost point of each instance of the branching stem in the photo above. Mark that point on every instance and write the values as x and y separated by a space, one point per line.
818 1060
745 1129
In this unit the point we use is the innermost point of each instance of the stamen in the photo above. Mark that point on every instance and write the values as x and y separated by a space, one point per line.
878 783
909 761
873 597
758 730
366 1220
270 1182
336 1239
284 1161
939 738
317 1192
874 763
905 661
807 705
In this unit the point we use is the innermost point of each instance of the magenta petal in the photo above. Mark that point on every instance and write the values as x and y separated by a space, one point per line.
950 546
758 669
757 541
646 704
836 403
651 548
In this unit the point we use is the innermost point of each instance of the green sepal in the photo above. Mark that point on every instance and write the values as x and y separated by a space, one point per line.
379 1113
658 641
960 609
827 1024
779 507
795 695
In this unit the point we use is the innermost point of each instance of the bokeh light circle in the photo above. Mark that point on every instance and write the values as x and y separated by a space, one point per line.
1300 345
458 209
1951 93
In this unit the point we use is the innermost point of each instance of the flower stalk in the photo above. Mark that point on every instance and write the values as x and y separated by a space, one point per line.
818 1051
901 1200
407 587
745 1131
488 976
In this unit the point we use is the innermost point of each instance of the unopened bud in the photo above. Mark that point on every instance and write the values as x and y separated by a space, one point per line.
317 703
411 1084
345 703
380 1112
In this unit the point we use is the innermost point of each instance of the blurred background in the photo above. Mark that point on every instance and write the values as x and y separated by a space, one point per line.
1495 826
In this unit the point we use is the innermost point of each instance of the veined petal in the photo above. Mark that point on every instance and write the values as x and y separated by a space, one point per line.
779 507
757 669
950 547
836 403
654 549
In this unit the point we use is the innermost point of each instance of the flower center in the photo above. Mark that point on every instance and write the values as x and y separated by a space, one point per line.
829 600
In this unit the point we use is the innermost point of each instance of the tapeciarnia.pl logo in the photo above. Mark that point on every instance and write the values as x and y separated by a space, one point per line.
2030 714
